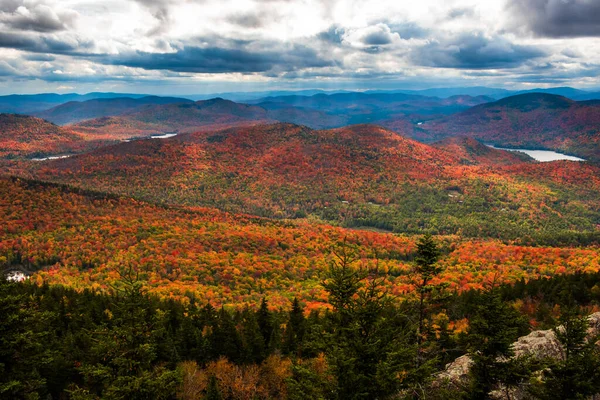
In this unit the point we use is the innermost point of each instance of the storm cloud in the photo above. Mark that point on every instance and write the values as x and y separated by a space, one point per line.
234 59
36 17
326 42
474 51
557 18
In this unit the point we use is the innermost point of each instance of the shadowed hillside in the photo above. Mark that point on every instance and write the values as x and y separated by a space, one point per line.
26 137
359 176
532 120
76 111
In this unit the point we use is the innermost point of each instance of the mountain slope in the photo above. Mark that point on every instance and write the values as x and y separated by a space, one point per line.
473 152
32 103
532 120
75 111
23 136
174 118
360 176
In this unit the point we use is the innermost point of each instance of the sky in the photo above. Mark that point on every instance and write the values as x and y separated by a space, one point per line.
211 46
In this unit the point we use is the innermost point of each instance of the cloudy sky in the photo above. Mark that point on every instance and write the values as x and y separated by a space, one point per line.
202 46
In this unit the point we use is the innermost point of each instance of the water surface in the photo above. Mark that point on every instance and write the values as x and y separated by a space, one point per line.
542 155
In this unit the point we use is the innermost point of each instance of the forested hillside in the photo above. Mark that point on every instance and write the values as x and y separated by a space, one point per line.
359 176
532 120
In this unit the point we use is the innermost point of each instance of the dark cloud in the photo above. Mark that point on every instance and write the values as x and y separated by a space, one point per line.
272 57
39 17
10 5
334 35
474 51
556 18
377 38
371 39
49 44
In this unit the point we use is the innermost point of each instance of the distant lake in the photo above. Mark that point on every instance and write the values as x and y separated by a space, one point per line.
542 155
164 136
50 158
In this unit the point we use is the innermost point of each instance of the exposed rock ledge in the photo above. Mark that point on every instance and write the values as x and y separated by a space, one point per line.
538 344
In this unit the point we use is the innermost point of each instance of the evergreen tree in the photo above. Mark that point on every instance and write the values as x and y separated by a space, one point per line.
212 391
265 321
123 361
25 344
426 269
493 329
361 342
577 375
294 330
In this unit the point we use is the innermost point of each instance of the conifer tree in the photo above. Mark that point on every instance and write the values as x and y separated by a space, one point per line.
361 342
294 330
426 269
212 391
577 374
493 329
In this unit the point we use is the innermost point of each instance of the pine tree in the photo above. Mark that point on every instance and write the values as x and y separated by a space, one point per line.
294 330
265 321
122 362
426 269
577 375
25 344
212 391
361 341
493 329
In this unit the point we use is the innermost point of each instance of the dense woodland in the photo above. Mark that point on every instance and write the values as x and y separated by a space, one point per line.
245 260
79 239
360 176
126 344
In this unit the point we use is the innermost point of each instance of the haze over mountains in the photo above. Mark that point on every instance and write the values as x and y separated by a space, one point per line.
299 199
533 120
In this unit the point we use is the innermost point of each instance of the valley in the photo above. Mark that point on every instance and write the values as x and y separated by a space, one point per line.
299 200
182 208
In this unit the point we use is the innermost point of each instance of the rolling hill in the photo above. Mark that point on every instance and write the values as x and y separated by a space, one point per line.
80 239
173 118
473 152
23 136
76 111
359 176
340 109
533 120
32 103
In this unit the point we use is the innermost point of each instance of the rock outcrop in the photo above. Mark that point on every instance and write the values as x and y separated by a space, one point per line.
538 344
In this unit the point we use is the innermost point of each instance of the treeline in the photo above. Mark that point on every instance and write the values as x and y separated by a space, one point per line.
62 344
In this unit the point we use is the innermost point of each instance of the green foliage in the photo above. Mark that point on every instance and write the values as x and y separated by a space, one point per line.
26 361
495 326
367 353
577 375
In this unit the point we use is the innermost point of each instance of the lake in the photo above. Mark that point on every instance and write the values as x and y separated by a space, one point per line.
164 136
50 158
542 155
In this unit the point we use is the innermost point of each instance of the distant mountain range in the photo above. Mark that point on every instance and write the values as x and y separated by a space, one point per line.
76 111
37 103
532 120
177 117
31 103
